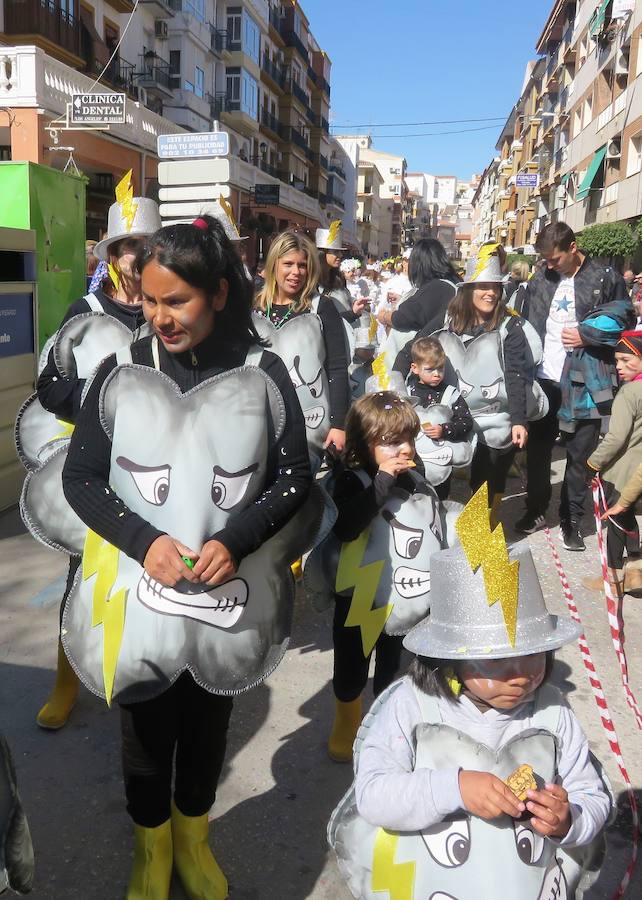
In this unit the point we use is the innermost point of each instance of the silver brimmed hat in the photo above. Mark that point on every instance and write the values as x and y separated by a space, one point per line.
330 238
222 211
486 601
486 267
129 217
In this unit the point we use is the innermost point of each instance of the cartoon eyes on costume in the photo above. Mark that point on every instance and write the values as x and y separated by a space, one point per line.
407 540
450 845
490 391
530 845
152 482
315 386
464 387
228 488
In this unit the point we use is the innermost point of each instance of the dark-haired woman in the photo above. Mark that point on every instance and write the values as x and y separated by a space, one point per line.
198 302
487 348
332 281
118 297
431 273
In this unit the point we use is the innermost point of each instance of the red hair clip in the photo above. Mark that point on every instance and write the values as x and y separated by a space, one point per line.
200 223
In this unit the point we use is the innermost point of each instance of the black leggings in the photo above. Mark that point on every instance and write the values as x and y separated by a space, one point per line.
492 466
617 538
351 666
186 721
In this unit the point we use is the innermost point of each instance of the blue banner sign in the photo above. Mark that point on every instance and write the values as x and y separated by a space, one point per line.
16 325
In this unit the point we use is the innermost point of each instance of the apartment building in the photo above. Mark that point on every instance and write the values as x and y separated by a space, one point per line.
342 189
250 65
576 130
422 208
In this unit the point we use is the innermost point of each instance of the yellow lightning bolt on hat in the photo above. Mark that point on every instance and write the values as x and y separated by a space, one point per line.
125 196
483 256
487 548
333 231
229 212
380 369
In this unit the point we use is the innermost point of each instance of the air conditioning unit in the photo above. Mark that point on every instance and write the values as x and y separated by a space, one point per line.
614 148
140 95
622 62
160 29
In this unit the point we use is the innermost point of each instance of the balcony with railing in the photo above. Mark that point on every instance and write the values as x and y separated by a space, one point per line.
218 39
323 162
275 18
121 74
292 39
335 201
312 75
298 92
44 19
274 71
265 166
298 138
221 103
337 168
153 73
271 122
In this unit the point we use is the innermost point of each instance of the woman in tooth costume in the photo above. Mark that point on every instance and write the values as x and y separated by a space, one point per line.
198 301
118 297
291 278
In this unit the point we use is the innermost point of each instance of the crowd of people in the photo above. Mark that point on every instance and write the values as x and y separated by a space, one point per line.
230 425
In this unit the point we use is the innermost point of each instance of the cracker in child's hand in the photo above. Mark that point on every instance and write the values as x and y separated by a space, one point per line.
411 464
521 780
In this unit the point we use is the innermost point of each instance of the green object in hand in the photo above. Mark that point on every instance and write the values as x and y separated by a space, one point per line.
188 562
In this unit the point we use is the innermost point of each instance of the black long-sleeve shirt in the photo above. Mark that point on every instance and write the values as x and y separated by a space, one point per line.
86 472
336 355
426 309
461 424
357 505
61 394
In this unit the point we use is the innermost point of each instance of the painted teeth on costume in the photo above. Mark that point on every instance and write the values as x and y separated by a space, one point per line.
411 582
226 604
314 417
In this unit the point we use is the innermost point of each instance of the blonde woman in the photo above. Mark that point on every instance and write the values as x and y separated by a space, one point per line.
290 290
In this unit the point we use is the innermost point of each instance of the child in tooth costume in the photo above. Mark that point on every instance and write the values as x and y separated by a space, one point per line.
205 616
429 810
389 520
92 327
307 332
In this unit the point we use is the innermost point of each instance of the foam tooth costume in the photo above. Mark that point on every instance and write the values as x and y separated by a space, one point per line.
440 457
127 636
387 568
485 606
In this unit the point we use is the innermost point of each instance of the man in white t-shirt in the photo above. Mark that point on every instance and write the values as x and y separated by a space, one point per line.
559 298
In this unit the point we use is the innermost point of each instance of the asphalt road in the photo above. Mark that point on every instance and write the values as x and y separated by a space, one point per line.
278 787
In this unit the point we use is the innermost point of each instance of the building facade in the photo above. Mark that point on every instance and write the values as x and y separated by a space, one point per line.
251 66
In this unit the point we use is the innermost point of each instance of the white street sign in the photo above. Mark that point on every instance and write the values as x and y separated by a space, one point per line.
188 210
194 171
194 192
97 109
190 145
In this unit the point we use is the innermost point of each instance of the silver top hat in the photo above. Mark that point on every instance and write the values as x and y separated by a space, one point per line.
136 219
490 608
485 267
330 238
222 211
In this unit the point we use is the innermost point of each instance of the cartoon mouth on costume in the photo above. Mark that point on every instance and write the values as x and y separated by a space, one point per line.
314 416
554 886
442 456
411 582
490 410
221 606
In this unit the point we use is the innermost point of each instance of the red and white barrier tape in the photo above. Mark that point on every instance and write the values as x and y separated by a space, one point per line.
605 715
612 610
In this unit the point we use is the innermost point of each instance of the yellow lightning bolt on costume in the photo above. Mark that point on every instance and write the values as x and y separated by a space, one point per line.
101 559
487 548
398 879
67 430
483 256
333 231
380 370
366 581
125 196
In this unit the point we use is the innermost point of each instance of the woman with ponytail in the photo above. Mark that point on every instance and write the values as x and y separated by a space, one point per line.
137 487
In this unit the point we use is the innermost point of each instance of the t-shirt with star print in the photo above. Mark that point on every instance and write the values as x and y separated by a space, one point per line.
560 316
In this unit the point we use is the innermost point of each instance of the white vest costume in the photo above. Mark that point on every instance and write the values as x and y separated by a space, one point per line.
464 854
440 457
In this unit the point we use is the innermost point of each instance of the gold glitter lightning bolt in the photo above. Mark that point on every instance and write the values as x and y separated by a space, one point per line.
125 196
398 879
485 253
380 370
229 212
333 231
365 580
101 559
487 548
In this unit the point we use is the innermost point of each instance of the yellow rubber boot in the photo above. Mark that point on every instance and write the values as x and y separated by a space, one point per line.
55 712
152 867
494 510
347 718
200 874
